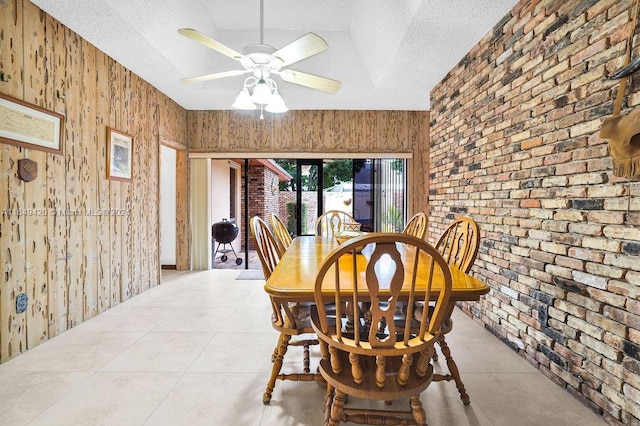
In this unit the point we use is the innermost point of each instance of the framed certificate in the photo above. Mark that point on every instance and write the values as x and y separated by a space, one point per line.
30 126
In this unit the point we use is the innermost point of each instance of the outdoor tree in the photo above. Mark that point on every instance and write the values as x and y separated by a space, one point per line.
337 171
334 172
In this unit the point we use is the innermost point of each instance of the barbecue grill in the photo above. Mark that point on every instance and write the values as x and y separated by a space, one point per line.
224 233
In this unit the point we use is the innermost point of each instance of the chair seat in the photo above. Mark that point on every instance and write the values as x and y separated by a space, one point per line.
368 388
302 316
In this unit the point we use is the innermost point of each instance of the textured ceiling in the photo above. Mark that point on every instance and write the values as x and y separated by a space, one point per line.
387 53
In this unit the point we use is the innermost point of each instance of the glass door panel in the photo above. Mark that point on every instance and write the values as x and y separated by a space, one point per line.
337 188
363 193
308 195
389 198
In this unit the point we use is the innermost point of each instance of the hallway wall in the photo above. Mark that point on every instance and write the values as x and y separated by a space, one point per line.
73 241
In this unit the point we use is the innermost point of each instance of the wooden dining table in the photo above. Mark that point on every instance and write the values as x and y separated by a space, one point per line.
294 277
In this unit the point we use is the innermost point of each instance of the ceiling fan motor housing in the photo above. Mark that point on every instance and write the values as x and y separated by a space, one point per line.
260 54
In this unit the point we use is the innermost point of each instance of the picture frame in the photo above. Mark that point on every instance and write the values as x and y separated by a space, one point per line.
30 126
119 155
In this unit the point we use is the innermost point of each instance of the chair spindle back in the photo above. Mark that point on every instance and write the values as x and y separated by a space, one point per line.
280 232
330 223
266 245
459 243
417 225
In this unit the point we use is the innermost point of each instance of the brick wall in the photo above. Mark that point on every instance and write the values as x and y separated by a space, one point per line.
515 145
262 199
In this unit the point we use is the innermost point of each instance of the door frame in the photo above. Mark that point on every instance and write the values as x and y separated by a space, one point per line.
307 162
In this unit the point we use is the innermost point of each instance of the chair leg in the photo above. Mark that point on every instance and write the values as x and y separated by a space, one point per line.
275 350
453 369
417 411
337 408
277 365
306 359
328 400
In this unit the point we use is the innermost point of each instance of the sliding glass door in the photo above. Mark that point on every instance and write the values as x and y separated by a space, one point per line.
389 198
371 190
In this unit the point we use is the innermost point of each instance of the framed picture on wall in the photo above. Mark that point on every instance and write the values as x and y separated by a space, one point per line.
30 126
119 155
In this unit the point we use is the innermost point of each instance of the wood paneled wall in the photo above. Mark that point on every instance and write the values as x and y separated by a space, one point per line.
308 131
321 131
60 242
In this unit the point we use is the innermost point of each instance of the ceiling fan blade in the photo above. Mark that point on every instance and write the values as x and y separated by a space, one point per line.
309 80
210 43
214 76
308 45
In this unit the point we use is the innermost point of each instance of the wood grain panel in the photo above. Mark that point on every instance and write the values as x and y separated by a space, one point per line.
366 133
88 180
36 91
125 199
308 127
143 115
172 120
420 162
115 221
56 192
302 131
392 129
12 224
102 183
153 187
232 129
74 173
134 201
282 132
11 47
183 223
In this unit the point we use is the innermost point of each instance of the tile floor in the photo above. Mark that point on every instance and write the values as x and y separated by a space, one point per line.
196 350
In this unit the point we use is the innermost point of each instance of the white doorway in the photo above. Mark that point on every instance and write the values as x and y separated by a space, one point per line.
167 207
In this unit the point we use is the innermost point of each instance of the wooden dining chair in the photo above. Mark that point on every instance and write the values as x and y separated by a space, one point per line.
417 225
331 222
459 245
364 362
280 232
288 319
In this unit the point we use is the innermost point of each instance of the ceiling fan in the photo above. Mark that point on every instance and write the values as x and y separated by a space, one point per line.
264 61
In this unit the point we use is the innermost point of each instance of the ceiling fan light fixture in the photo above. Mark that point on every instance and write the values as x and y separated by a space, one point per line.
243 100
263 61
276 105
261 93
